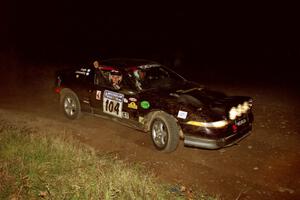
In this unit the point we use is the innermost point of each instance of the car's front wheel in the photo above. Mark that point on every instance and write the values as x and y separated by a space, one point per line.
164 132
70 104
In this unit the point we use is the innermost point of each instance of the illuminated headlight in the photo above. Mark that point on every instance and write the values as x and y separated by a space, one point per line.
217 124
245 107
239 110
233 113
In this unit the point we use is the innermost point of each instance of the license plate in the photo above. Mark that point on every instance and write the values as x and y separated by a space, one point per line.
241 122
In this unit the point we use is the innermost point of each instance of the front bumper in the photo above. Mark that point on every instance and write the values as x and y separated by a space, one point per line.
208 143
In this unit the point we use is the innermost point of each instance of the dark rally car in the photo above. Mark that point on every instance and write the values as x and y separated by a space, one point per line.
155 99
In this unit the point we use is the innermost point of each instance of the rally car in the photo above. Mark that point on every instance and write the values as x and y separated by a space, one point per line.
153 98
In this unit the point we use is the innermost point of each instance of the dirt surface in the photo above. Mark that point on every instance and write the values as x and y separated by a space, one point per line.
265 165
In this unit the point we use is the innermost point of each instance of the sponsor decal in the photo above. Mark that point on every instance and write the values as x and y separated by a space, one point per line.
132 99
83 71
125 115
132 105
98 95
182 114
145 104
113 103
141 120
125 100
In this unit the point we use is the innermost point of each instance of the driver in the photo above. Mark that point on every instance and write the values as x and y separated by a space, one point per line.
97 76
115 78
96 64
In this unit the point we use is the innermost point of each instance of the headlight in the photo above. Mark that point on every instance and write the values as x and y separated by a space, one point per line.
239 110
217 124
245 107
233 113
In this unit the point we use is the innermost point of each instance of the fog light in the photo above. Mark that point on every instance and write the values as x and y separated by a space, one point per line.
245 107
233 113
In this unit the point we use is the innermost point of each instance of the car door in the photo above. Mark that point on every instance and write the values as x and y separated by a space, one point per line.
106 100
102 101
120 104
81 82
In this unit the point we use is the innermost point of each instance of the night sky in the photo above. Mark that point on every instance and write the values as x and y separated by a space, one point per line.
219 36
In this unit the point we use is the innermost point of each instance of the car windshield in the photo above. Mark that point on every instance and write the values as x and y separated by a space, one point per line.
153 76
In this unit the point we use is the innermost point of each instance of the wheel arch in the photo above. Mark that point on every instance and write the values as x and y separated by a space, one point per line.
63 92
151 116
68 92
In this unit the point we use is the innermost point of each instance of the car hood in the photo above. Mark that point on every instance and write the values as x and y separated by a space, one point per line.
201 100
204 98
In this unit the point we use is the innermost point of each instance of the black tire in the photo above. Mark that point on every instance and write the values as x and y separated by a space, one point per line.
164 132
70 104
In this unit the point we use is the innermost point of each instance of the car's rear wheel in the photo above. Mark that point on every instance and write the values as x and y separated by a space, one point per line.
70 104
164 132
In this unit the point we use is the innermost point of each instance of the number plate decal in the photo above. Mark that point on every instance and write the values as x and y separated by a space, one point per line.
241 122
113 103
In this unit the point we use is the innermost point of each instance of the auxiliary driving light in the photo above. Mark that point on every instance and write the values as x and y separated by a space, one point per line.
233 113
239 110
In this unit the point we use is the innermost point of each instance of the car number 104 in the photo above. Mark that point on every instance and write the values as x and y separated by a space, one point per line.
112 107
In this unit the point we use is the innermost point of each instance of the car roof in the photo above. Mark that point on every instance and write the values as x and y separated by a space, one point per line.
126 62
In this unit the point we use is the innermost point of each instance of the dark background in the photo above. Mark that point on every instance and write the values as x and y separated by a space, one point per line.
221 42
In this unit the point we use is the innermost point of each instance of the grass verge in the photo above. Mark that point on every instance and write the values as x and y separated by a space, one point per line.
37 165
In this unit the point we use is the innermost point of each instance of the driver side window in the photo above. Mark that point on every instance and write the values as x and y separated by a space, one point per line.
100 79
